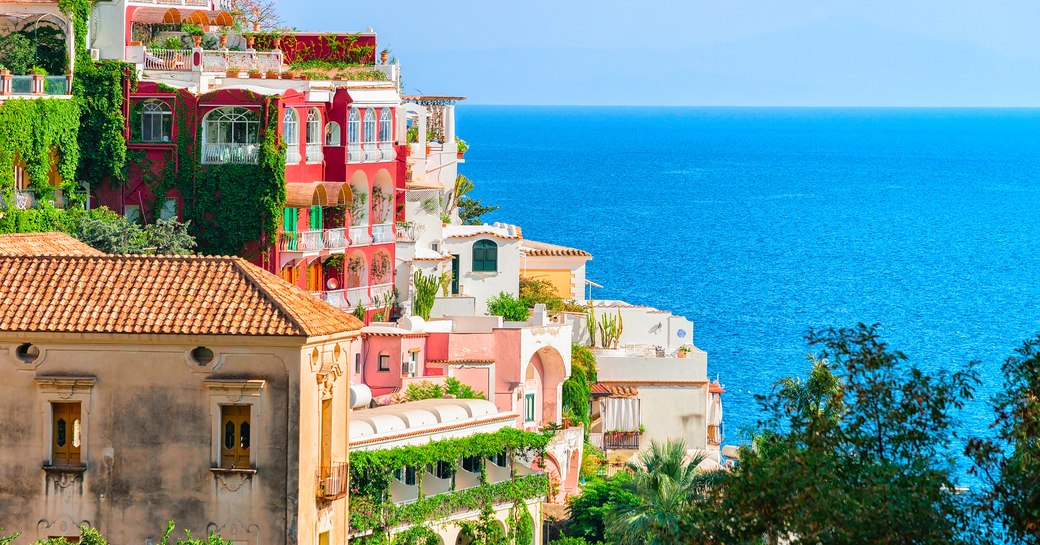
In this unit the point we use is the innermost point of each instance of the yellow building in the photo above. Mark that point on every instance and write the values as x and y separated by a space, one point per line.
563 267
141 389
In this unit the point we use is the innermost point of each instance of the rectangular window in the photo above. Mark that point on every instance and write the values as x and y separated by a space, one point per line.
235 436
454 274
384 362
133 213
529 408
357 363
169 209
412 367
66 434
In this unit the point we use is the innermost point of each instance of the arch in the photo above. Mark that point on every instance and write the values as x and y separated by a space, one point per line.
370 126
485 256
570 484
291 135
198 17
320 197
554 470
354 154
552 366
382 268
357 270
382 201
156 121
333 134
230 134
358 187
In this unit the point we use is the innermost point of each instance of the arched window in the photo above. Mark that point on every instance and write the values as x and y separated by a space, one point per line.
314 136
385 131
354 136
230 135
291 135
370 125
156 121
332 134
485 256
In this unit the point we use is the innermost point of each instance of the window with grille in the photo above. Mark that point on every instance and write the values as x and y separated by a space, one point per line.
230 135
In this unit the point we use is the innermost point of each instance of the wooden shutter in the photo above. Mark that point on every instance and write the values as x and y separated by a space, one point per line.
289 218
316 218
326 434
236 436
66 438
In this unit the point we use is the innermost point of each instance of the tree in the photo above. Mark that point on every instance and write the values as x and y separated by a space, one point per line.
114 234
472 210
577 391
255 14
670 491
535 291
17 53
861 443
1009 464
589 511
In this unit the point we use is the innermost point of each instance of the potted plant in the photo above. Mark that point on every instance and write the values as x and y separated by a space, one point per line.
684 350
462 146
4 71
250 40
255 74
223 38
232 73
272 74
195 31
383 55
287 75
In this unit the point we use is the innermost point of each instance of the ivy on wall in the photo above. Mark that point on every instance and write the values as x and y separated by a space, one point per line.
38 134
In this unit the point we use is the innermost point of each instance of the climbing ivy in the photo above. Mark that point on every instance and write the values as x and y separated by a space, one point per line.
41 135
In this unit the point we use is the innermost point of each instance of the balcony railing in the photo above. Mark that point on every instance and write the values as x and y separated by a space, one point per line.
189 3
332 482
314 154
380 291
336 239
621 440
168 59
382 233
229 153
35 85
302 241
24 199
359 235
292 154
241 61
387 151
370 152
357 296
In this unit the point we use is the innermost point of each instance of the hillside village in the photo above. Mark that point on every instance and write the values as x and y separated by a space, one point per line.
347 353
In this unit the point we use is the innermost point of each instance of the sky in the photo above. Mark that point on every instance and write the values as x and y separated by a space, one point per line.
704 53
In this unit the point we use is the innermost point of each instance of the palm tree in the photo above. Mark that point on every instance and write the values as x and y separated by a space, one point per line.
668 484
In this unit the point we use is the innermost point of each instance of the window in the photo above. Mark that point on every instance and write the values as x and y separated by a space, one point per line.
354 154
316 218
357 363
291 135
230 135
472 463
406 475
169 209
385 126
529 408
156 121
370 126
498 459
314 154
485 256
66 434
235 436
441 470
132 212
384 361
290 217
333 134
454 274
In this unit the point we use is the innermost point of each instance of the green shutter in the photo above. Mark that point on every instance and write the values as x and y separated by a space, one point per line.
316 218
289 220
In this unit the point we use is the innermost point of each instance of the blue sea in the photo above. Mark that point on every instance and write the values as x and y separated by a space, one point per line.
759 224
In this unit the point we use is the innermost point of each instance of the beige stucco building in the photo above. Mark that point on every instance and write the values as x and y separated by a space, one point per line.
141 389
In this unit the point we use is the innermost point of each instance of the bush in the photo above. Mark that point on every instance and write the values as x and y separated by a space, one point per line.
429 390
508 307
538 290
17 53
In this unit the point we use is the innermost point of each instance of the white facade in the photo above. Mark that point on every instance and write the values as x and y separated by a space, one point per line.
482 285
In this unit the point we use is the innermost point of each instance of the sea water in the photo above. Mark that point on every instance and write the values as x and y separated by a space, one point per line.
759 224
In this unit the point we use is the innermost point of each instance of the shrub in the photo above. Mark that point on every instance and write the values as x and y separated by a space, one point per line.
508 307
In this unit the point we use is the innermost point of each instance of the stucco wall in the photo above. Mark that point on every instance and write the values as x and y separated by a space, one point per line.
485 285
150 436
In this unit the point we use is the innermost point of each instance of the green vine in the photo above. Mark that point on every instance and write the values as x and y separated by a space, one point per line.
33 133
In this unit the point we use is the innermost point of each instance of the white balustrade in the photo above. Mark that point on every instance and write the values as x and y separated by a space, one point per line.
380 291
354 153
229 153
387 151
168 59
314 154
336 239
302 241
382 233
242 61
371 152
356 296
359 236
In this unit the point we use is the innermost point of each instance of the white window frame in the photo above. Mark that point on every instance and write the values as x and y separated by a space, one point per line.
291 136
66 390
235 392
354 154
333 134
222 128
155 111
313 135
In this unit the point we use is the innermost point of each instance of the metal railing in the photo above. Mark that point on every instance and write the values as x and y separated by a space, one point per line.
242 61
337 239
314 154
168 59
24 199
621 440
229 153
382 233
292 153
301 241
332 482
359 236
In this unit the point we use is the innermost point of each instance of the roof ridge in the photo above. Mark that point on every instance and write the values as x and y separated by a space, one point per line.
257 285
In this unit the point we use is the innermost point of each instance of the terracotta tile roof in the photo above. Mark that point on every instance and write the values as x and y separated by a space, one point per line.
189 295
532 248
43 244
617 391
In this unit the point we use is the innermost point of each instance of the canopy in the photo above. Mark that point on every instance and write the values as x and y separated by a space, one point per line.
304 195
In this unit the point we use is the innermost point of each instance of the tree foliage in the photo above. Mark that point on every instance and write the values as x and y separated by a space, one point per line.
535 291
1009 463
471 211
508 307
114 234
577 389
428 390
590 511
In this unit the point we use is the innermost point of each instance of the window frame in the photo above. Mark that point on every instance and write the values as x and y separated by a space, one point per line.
59 389
354 126
176 208
241 122
239 392
529 408
386 125
485 249
151 109
371 136
291 135
380 361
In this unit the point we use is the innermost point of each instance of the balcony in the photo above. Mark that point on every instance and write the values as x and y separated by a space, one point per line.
337 239
35 85
314 241
371 152
314 154
182 3
348 299
332 482
226 154
383 233
621 440
359 235
201 60
380 291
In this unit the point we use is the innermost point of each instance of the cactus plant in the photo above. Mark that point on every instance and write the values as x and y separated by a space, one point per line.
591 326
610 328
425 293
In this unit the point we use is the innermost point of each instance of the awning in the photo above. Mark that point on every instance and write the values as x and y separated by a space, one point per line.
305 195
374 96
171 16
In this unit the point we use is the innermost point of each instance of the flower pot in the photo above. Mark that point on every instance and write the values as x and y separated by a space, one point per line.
232 73
682 354
256 27
255 75
197 40
460 154
287 75
383 56
250 41
427 150
278 43
272 75
223 41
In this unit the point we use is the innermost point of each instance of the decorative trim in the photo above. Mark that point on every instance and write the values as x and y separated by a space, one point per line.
232 480
66 387
235 389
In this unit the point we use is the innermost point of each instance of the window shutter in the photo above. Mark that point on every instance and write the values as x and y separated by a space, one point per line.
289 220
316 218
